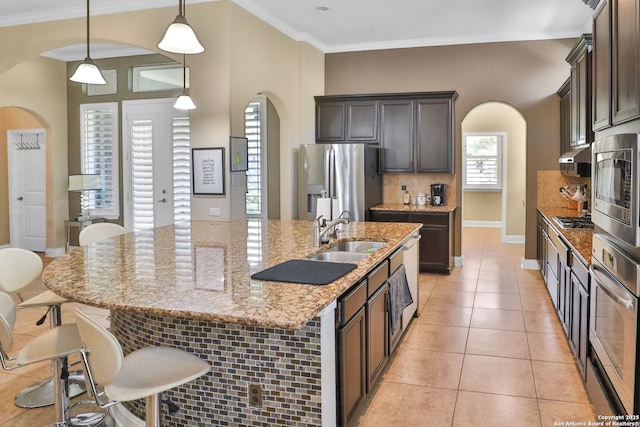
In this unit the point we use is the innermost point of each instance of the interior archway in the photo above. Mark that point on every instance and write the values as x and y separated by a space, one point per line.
506 208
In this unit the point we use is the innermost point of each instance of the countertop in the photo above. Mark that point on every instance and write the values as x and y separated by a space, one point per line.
202 269
399 207
579 240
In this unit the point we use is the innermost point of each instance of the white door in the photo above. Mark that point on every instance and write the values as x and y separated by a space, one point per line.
27 189
156 153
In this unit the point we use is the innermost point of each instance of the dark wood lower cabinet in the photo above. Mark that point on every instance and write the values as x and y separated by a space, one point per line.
377 335
579 333
437 236
353 363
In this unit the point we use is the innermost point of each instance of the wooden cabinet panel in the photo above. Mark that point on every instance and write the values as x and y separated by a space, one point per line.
377 335
601 69
581 121
579 334
330 122
362 121
352 365
396 136
434 127
625 60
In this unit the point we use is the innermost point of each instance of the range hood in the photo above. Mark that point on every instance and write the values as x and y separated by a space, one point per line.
576 162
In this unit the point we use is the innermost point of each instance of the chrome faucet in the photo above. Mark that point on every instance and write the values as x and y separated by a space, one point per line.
321 228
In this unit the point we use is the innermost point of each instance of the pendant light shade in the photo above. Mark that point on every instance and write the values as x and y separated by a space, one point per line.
180 37
184 101
88 72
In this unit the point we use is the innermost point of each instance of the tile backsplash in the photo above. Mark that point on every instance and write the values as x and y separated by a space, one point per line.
548 185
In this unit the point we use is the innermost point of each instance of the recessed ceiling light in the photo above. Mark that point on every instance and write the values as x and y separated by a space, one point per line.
322 9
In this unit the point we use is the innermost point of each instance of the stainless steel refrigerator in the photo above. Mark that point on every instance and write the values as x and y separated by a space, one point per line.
348 172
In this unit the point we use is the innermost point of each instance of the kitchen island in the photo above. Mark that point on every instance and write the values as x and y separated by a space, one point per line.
189 286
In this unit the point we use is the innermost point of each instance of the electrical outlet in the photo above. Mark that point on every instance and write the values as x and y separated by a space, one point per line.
214 211
403 188
255 395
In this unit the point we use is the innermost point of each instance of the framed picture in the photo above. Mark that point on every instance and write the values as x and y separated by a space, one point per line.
207 168
238 156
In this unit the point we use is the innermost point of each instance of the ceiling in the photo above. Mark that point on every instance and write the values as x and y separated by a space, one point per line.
351 25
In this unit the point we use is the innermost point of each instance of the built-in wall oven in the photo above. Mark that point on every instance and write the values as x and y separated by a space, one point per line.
613 325
615 187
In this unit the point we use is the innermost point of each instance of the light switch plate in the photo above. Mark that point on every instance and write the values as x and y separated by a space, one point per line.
214 211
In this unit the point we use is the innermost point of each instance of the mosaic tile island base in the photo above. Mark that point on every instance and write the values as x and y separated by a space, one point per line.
189 286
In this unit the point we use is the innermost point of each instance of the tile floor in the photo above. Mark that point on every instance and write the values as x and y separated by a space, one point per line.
487 350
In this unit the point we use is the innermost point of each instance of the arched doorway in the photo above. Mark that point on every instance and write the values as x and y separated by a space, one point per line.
503 205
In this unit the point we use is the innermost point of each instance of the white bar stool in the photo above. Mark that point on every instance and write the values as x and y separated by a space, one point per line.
145 373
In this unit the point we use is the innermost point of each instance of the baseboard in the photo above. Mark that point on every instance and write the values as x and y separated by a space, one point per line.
458 261
54 252
491 224
530 264
514 238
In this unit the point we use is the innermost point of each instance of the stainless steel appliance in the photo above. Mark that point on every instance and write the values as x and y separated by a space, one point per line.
615 187
613 324
348 172
438 194
573 222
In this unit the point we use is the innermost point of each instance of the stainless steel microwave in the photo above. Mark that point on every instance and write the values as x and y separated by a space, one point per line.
615 187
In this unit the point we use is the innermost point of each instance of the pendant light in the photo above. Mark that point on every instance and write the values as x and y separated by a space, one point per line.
184 101
180 37
88 72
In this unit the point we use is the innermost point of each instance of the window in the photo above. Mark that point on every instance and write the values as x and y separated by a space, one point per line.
254 131
160 77
482 162
99 155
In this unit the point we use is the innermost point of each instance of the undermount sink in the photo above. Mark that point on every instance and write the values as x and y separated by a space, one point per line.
357 246
338 256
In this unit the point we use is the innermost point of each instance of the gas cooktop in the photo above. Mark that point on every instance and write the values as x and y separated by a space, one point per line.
572 222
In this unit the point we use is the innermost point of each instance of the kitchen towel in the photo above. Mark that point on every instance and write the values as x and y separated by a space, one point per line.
399 296
305 271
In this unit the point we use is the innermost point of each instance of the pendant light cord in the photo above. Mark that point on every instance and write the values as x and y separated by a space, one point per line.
88 55
184 73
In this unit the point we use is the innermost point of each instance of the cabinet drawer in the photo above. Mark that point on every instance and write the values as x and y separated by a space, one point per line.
430 218
377 278
353 302
395 260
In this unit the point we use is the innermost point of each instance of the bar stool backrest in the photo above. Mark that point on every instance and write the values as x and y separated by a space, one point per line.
99 231
18 268
105 354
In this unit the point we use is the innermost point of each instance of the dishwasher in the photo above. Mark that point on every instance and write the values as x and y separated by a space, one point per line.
410 260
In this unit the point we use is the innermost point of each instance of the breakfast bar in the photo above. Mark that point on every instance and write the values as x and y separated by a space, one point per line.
189 286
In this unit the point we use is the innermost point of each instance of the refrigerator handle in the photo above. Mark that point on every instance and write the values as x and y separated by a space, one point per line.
331 175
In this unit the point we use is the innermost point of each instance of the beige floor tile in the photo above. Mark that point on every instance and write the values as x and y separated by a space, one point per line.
552 412
497 275
558 381
528 276
497 375
498 301
492 342
449 339
497 264
409 405
488 318
460 285
540 321
446 315
537 302
498 286
481 409
549 347
458 299
426 368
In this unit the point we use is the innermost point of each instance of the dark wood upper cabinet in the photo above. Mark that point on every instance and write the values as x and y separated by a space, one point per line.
565 120
601 69
581 121
625 70
415 130
616 69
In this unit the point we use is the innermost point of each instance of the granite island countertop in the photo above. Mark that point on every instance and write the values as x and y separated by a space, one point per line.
580 240
202 270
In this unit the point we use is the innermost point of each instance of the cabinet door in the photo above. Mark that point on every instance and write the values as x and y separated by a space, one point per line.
362 121
330 122
352 365
579 323
625 60
377 335
602 69
434 139
581 101
396 138
565 120
386 216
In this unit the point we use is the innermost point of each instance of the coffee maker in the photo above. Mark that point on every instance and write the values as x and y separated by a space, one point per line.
438 194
